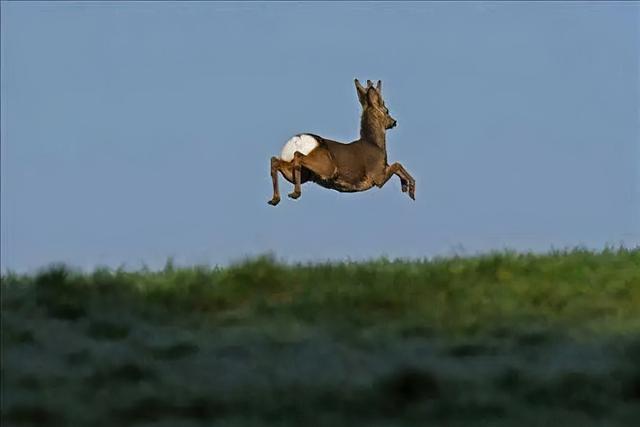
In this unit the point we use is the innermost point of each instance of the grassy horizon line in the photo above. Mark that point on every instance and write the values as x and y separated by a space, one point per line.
510 338
577 289
170 264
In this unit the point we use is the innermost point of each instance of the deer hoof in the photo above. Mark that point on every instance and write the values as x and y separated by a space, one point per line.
274 201
295 194
405 187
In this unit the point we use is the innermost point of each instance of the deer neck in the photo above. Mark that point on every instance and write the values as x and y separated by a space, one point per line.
372 130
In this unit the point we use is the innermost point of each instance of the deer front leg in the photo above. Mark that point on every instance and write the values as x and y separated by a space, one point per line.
275 166
406 180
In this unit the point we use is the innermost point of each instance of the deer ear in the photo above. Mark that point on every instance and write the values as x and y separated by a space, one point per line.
362 93
379 86
369 84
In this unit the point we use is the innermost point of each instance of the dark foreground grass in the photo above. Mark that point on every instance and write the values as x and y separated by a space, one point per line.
500 339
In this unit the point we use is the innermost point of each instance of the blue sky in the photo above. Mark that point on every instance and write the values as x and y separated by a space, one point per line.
133 132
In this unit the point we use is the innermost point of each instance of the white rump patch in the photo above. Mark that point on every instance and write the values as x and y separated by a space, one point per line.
302 143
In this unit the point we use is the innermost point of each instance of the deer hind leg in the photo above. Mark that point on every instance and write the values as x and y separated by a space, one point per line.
319 162
406 180
283 167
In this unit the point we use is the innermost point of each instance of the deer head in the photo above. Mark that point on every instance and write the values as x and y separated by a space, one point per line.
373 104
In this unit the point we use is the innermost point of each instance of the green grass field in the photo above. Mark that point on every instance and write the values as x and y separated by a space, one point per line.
498 340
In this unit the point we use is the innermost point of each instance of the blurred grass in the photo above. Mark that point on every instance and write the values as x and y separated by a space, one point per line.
501 336
577 290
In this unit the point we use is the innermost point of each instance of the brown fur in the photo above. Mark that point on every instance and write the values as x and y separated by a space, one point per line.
352 167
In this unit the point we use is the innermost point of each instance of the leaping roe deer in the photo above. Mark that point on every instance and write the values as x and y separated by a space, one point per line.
352 167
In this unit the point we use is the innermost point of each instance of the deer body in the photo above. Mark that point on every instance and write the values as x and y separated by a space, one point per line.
352 167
